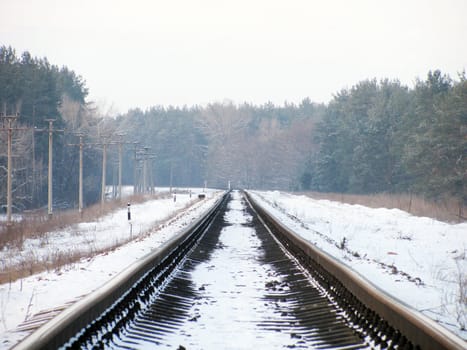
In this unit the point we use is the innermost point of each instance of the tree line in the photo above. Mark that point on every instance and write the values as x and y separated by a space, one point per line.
380 136
35 90
251 146
377 136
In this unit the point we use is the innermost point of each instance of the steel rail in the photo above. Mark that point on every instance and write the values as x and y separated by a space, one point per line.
55 333
357 292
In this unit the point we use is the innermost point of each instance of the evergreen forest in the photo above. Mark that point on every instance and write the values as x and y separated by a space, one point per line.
377 136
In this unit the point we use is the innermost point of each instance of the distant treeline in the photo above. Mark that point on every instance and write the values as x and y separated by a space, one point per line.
378 136
385 137
250 146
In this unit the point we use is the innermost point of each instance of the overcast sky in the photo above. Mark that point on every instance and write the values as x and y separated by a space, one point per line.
140 53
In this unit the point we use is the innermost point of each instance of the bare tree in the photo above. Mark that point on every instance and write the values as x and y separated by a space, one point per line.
225 126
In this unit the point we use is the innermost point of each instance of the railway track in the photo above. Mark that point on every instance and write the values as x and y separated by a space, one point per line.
237 279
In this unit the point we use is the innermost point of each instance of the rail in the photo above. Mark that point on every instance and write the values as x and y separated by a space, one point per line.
361 299
85 312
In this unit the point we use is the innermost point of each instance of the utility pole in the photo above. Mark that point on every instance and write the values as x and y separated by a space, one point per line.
148 186
8 196
50 130
120 163
151 174
80 186
145 169
80 190
10 119
50 182
171 175
150 171
115 179
50 170
105 143
104 165
143 182
135 171
119 196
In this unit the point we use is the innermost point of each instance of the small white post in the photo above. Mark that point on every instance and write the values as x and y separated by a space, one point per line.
129 220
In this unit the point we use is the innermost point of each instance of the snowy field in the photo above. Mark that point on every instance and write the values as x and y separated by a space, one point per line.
150 224
420 261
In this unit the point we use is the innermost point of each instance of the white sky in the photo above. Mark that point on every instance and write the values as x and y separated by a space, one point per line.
140 53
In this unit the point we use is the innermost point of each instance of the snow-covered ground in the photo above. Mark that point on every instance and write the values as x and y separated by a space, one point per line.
151 222
231 277
420 261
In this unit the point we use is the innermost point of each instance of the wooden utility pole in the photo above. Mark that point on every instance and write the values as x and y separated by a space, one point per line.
135 171
148 185
120 156
120 162
104 165
105 143
143 182
50 130
80 189
80 185
50 170
145 169
171 175
10 119
8 196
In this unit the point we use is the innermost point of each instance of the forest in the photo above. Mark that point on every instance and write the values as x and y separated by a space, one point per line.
377 136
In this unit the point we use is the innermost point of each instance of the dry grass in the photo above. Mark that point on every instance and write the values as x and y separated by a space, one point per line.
38 224
461 302
33 265
448 210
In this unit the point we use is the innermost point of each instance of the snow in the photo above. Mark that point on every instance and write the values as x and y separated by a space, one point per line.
151 227
239 280
420 261
230 300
